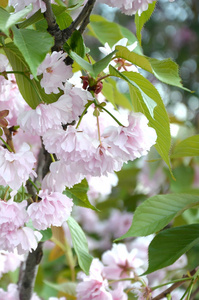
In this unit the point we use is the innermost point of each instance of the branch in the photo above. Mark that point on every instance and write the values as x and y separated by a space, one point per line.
61 36
28 269
174 286
28 273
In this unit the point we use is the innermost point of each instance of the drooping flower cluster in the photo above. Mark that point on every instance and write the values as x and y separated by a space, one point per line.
53 209
55 72
15 168
13 233
129 7
37 4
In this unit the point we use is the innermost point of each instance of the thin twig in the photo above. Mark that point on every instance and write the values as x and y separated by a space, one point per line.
174 286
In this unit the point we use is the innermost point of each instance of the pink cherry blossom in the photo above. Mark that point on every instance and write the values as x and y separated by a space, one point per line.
37 4
9 261
132 141
129 7
75 98
93 286
53 209
118 293
13 293
119 263
15 168
54 71
61 175
13 235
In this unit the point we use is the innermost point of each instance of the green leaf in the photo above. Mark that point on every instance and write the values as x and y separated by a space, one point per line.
79 194
25 85
80 245
187 147
112 94
47 234
68 288
165 70
8 20
34 45
157 211
170 244
76 44
63 20
136 59
96 68
110 32
142 19
146 99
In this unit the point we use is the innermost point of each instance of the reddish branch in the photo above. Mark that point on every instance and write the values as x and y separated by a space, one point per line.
174 286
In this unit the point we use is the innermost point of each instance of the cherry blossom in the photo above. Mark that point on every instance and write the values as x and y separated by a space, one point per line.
132 141
53 209
13 235
119 63
19 5
9 261
119 263
54 71
93 286
129 7
15 168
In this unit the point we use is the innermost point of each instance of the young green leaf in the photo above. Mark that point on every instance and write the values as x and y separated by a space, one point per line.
187 147
34 45
156 212
80 245
68 288
141 20
79 194
8 20
47 234
146 99
170 244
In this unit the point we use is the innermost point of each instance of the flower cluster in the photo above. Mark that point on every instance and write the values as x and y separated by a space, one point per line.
13 233
129 7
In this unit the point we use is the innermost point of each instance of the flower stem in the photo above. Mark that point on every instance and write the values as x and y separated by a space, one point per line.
52 157
108 112
4 198
37 189
8 147
85 110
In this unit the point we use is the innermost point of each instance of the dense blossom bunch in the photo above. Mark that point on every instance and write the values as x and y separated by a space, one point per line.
129 7
55 72
15 168
13 234
53 209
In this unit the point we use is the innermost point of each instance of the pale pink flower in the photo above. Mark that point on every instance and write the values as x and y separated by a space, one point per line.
123 218
70 145
133 141
141 289
119 263
54 71
75 98
11 294
13 235
129 7
53 209
60 176
15 168
19 5
11 99
118 293
121 64
93 286
100 187
9 261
